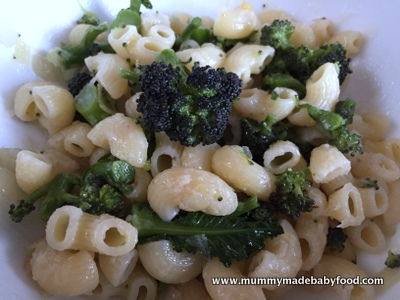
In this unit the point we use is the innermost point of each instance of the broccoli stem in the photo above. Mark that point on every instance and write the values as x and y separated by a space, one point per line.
193 25
131 15
272 81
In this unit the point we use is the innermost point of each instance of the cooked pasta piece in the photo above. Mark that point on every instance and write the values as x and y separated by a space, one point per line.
208 54
63 273
123 137
164 264
215 269
333 266
105 67
140 185
232 165
281 256
248 59
149 19
70 228
367 237
117 269
167 153
323 29
179 21
392 214
147 48
389 147
375 201
191 190
131 107
303 35
372 126
336 183
163 33
199 157
345 205
73 140
351 40
123 39
280 156
235 23
193 289
269 15
257 104
328 163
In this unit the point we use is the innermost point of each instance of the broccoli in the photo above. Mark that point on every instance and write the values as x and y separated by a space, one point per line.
92 102
346 110
210 235
334 127
77 83
100 191
191 107
131 15
68 56
369 183
88 18
393 260
258 136
195 32
336 239
290 196
291 66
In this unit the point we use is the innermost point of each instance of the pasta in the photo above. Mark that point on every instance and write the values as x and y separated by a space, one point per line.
219 187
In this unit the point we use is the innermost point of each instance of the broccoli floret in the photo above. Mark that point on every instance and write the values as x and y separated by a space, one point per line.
297 64
393 260
290 196
191 107
346 110
93 102
100 191
369 183
336 239
277 34
258 136
78 82
334 127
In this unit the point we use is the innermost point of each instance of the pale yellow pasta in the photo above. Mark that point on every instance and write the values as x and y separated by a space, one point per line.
198 157
333 266
367 237
70 228
375 165
147 48
388 230
280 156
73 140
248 59
207 54
323 90
257 104
336 183
193 289
131 107
78 33
163 33
303 35
312 232
269 15
105 67
149 19
123 39
215 269
327 163
351 40
164 264
232 165
63 272
372 126
9 190
345 205
167 153
389 147
392 214
281 256
118 268
179 21
320 203
32 170
123 137
375 202
323 30
60 161
191 190
236 23
97 154
140 185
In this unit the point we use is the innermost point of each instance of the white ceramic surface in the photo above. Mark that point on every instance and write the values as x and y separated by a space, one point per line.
44 23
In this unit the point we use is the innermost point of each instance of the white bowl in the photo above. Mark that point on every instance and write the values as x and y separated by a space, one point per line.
44 23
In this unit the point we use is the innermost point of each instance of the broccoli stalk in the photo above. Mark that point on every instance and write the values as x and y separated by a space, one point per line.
100 191
213 236
193 31
393 260
290 196
336 239
131 15
68 56
191 107
334 127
